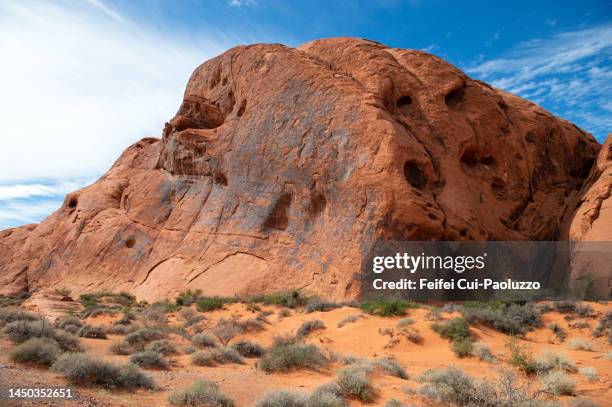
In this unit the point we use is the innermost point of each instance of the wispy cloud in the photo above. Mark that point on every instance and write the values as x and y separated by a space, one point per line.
240 3
568 73
80 81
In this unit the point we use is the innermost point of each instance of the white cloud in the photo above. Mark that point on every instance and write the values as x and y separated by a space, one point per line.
13 213
240 3
80 82
22 191
568 73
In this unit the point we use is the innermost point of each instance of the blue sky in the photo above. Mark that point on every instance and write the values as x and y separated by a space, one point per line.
83 79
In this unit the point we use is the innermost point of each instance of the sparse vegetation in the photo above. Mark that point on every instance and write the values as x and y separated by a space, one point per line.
21 331
388 307
289 353
482 352
391 367
62 323
162 346
558 383
89 331
580 344
120 348
201 394
559 332
405 322
207 304
188 297
316 304
281 398
225 330
463 347
140 338
214 356
82 369
204 340
512 319
354 381
455 329
248 349
149 359
308 326
589 372
349 320
42 351
581 402
291 299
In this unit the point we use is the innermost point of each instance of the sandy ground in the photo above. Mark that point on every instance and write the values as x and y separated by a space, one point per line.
244 383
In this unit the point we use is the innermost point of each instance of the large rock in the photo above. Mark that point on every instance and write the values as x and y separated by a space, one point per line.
283 166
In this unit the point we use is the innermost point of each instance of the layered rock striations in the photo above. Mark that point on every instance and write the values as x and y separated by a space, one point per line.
284 165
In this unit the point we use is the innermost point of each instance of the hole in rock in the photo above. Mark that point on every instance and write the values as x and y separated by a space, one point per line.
317 203
454 98
224 81
242 108
72 202
404 101
463 232
498 186
530 137
469 157
415 176
130 243
220 179
487 160
277 218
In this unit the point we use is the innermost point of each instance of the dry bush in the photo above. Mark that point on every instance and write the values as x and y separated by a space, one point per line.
42 351
140 338
248 349
216 356
201 393
95 332
204 341
149 360
354 381
163 346
558 383
225 330
580 344
308 326
349 320
120 348
289 353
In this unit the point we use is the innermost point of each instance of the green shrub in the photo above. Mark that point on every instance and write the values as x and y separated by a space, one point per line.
388 307
201 393
206 304
149 359
68 320
463 347
291 299
558 383
163 346
164 307
13 300
204 341
140 338
307 327
405 322
248 349
520 357
188 297
88 300
455 329
43 351
290 353
21 331
391 367
316 304
281 398
216 356
580 344
512 319
482 352
120 348
82 369
354 381
96 332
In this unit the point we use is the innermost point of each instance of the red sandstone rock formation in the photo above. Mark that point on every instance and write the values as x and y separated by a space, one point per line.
283 166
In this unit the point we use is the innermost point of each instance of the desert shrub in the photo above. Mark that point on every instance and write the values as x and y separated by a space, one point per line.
281 398
13 300
580 324
316 304
354 381
127 318
434 314
252 324
216 356
201 394
580 344
387 307
149 359
608 355
455 329
284 312
307 327
558 383
327 395
463 347
68 320
565 307
163 346
191 316
63 291
88 300
291 299
225 330
188 297
584 310
96 332
71 329
119 329
482 352
512 319
8 315
248 349
153 316
120 348
391 367
164 306
287 354
405 322
82 369
98 310
189 349
553 361
140 338
589 372
21 331
559 332
454 386
394 403
581 402
604 324
520 357
204 341
206 304
43 351
349 320
412 335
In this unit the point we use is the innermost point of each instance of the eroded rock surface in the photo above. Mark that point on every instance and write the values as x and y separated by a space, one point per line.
283 166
